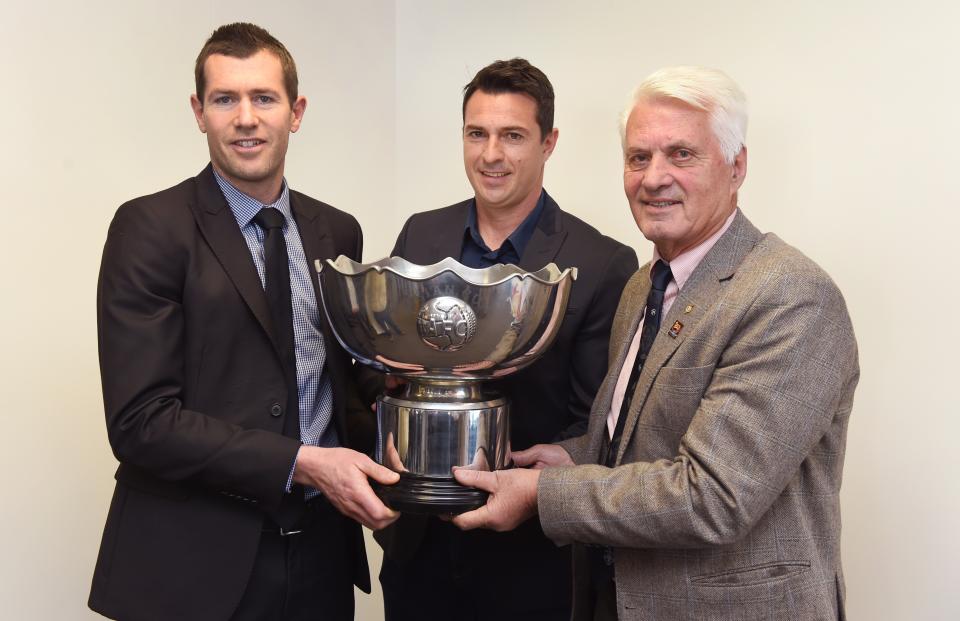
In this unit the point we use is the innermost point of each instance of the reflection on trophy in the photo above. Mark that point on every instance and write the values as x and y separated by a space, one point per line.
445 328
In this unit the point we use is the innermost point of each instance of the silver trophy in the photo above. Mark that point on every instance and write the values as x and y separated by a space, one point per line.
445 328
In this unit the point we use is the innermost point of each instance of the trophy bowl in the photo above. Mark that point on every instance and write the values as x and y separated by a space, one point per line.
445 328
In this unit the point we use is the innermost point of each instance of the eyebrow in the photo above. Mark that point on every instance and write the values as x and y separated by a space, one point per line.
511 128
681 144
232 92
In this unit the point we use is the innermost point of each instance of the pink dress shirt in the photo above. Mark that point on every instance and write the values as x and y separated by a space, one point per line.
682 267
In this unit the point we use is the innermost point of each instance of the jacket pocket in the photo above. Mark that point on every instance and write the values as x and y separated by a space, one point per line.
755 575
684 380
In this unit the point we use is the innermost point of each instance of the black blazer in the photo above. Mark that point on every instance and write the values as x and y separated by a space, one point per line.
549 400
195 400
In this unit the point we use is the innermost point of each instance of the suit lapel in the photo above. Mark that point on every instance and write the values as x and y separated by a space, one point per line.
219 227
701 291
546 240
316 239
620 342
444 239
318 244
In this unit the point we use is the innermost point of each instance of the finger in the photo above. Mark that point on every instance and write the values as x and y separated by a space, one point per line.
472 519
377 519
369 510
378 473
486 481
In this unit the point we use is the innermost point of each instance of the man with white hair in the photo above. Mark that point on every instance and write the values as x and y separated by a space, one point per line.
707 485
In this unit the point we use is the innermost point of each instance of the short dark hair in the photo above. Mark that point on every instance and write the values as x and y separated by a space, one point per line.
515 76
243 40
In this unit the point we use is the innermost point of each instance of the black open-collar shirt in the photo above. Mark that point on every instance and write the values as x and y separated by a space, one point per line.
475 253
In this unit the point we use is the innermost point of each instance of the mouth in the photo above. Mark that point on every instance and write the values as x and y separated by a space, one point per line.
661 203
494 174
248 143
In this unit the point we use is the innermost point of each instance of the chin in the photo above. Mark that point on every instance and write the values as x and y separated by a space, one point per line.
655 234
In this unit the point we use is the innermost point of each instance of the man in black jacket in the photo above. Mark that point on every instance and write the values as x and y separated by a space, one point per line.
225 391
431 570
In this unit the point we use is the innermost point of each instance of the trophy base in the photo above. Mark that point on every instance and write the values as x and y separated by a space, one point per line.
423 495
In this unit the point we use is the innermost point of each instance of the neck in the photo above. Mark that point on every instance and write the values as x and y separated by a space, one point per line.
497 224
266 191
670 252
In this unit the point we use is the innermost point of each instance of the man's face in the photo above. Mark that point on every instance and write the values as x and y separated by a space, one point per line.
680 189
247 118
502 150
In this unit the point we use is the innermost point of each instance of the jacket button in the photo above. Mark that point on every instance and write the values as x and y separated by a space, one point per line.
276 410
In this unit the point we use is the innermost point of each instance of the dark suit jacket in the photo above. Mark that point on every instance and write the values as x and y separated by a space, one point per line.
195 399
726 501
549 400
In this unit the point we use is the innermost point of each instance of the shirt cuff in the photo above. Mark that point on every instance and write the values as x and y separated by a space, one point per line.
293 467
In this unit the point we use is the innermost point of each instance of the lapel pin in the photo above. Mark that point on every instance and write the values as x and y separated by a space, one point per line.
687 311
675 330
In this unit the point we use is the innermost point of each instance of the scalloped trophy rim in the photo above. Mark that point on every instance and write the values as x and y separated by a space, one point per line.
346 269
549 275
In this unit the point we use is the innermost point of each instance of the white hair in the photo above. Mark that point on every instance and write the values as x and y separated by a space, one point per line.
709 90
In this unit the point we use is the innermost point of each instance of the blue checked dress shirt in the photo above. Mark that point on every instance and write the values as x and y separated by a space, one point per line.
315 392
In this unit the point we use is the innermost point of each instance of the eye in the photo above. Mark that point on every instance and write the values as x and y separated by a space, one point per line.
262 99
514 136
682 155
636 161
474 134
222 100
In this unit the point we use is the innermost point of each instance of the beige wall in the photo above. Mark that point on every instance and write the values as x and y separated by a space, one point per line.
853 158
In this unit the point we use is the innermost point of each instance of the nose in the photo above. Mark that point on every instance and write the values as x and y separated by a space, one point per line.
246 114
492 150
657 175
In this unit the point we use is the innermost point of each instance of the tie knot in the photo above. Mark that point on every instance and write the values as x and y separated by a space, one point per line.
661 275
269 218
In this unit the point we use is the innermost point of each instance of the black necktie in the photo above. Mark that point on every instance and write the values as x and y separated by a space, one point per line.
277 288
651 325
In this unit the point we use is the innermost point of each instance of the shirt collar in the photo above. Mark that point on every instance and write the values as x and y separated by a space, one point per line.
684 263
520 236
244 207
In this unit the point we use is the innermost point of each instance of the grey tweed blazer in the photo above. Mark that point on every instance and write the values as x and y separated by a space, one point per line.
725 501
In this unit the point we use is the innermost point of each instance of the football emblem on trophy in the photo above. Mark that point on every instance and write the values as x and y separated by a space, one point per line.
446 323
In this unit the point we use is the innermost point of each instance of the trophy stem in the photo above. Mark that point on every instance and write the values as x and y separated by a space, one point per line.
441 391
434 427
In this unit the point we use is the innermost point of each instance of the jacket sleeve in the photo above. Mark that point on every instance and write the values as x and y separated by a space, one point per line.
142 341
781 380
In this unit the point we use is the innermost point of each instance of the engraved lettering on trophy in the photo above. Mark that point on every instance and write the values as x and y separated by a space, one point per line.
446 323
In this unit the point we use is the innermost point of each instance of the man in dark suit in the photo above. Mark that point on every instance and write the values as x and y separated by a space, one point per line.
225 392
432 571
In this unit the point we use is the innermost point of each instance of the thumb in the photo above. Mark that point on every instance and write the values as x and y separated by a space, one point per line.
472 519
378 473
524 458
486 481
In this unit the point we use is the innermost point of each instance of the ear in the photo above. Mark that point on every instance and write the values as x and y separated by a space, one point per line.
299 107
198 112
739 168
550 143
